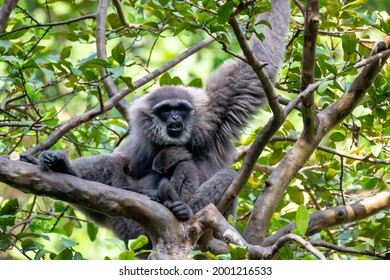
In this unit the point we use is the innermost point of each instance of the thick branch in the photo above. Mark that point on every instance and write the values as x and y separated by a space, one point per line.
338 215
5 12
160 224
277 183
253 153
310 33
211 218
345 105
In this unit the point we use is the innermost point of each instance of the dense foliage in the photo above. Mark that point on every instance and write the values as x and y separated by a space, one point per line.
49 72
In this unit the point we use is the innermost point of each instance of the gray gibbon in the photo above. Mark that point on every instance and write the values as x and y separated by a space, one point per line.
181 138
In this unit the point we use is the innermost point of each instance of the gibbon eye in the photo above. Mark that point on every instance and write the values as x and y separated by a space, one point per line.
181 108
165 109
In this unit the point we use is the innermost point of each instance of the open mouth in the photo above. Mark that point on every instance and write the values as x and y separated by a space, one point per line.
175 129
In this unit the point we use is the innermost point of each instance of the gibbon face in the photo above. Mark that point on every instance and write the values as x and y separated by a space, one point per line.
164 117
174 115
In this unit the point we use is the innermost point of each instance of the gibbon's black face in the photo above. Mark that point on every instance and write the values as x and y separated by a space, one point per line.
174 114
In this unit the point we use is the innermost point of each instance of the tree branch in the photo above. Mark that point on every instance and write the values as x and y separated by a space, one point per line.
310 32
286 170
345 105
301 241
256 148
101 50
258 67
300 6
365 158
119 10
162 227
51 24
170 238
5 12
338 215
352 251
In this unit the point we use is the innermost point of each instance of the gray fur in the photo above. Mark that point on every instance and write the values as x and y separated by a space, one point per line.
176 163
231 96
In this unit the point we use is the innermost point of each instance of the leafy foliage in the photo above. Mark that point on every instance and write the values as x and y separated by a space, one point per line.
50 73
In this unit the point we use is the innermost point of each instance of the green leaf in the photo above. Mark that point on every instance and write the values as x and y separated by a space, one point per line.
207 254
114 20
237 252
5 45
68 243
47 72
65 53
165 79
92 231
296 195
324 86
225 11
376 149
68 227
127 255
286 253
196 83
337 136
370 183
163 2
356 3
302 220
78 256
31 245
119 53
138 243
119 243
94 63
177 81
6 220
34 95
59 206
360 111
10 207
127 81
330 173
349 43
41 253
209 4
116 71
66 254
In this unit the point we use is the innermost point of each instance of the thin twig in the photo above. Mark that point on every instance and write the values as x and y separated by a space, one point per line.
347 250
66 22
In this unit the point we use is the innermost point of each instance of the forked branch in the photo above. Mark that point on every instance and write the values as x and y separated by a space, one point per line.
287 169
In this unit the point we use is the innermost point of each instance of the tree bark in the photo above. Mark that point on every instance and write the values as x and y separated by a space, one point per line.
165 231
338 215
279 180
5 12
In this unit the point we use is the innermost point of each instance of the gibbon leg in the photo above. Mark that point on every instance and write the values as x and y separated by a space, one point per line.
212 191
